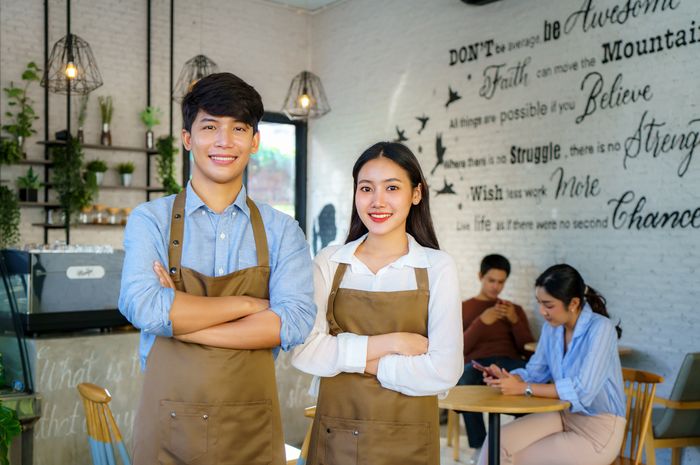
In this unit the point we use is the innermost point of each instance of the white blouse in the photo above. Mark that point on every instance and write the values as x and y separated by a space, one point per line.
432 373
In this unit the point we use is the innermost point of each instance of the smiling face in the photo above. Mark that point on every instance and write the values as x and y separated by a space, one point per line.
221 147
384 197
554 311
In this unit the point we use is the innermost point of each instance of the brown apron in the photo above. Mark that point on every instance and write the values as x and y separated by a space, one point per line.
357 420
205 405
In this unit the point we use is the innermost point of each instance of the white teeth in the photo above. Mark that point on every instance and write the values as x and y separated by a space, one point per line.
221 158
380 215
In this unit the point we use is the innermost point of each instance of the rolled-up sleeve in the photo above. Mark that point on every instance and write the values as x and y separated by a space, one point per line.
291 287
537 369
582 388
440 368
142 300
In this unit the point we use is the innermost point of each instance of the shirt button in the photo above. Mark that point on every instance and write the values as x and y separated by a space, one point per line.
203 212
233 213
222 236
221 271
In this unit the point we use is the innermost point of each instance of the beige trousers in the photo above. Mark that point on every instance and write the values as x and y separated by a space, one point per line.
560 438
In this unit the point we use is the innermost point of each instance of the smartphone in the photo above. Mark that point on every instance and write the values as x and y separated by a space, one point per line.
482 368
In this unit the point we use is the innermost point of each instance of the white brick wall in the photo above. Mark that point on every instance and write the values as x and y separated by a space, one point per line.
385 63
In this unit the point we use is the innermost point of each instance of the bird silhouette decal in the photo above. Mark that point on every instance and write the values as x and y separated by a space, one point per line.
423 121
446 189
401 135
454 96
439 152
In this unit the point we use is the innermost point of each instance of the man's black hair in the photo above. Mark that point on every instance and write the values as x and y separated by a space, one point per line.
495 261
223 94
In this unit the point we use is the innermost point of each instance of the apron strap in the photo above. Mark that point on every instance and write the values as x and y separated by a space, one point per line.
177 228
258 233
333 327
422 279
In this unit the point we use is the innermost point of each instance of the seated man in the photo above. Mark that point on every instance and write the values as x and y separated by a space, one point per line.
495 331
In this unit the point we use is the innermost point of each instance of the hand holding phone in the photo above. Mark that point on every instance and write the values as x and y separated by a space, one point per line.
483 369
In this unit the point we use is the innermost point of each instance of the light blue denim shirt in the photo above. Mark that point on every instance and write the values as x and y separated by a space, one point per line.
589 374
214 245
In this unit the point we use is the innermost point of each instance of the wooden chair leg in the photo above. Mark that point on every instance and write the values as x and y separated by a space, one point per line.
676 455
649 448
450 426
455 435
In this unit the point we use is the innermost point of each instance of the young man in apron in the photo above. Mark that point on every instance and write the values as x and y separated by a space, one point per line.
238 285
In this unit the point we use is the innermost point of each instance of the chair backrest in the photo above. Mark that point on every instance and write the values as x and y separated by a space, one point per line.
640 388
676 423
103 432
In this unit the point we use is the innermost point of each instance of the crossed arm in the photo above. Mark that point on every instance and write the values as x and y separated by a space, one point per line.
231 322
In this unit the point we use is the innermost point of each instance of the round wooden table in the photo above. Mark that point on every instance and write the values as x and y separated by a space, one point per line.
491 401
621 350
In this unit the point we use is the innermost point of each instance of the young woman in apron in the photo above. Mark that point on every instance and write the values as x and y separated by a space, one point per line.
388 332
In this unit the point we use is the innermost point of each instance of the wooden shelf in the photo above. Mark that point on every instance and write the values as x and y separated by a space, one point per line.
36 162
78 225
40 204
102 147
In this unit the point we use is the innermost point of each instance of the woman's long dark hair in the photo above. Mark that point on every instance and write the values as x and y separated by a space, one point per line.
564 283
419 223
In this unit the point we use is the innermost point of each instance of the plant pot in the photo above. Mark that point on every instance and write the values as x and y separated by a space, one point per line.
99 176
150 140
106 135
28 195
126 179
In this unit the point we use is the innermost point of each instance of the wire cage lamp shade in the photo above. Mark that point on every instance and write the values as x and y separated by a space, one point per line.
306 97
194 69
72 65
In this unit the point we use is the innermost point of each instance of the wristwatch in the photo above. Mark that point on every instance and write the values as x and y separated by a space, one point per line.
528 391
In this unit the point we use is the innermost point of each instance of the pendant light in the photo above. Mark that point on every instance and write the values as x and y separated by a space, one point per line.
195 69
306 97
72 67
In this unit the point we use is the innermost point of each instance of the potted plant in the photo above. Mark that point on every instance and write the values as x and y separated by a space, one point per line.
82 115
29 185
97 168
150 118
166 164
106 111
75 191
9 212
9 428
21 126
125 171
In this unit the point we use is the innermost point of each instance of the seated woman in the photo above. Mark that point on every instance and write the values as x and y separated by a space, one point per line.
577 353
388 333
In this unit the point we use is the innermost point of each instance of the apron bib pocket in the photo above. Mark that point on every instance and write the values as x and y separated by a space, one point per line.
184 430
245 433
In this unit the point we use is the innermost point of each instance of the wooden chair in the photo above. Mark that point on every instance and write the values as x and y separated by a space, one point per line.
640 387
677 424
103 432
298 456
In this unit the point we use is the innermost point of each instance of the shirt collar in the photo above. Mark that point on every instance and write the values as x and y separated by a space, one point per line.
415 258
584 321
194 202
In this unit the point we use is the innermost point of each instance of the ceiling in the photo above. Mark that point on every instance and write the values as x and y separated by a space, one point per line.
308 5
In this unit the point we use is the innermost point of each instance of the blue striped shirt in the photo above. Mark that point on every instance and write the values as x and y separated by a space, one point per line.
589 375
214 245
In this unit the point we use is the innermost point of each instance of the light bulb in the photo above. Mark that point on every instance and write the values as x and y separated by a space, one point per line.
304 101
71 70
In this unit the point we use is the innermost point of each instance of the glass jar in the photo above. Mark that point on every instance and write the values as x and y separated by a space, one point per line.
125 214
114 217
99 215
84 215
